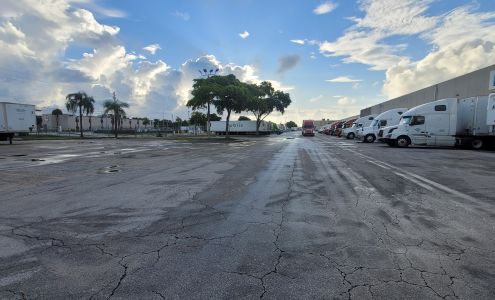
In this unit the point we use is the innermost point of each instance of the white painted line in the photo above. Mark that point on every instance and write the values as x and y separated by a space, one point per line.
425 186
378 164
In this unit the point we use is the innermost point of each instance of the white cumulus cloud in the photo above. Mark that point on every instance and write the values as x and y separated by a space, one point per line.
325 8
34 37
244 34
462 40
300 42
152 48
343 79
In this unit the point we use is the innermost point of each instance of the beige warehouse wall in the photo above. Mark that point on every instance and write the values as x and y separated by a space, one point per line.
472 84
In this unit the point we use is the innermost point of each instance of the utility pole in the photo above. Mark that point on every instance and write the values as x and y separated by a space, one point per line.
207 74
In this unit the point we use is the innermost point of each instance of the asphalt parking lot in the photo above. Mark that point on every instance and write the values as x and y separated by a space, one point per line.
284 217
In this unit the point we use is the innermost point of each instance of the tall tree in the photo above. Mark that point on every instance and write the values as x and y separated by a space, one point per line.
82 102
57 112
197 118
290 124
264 99
116 108
231 95
203 96
146 122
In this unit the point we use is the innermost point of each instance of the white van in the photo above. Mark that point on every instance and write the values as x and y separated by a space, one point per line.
388 118
447 122
350 133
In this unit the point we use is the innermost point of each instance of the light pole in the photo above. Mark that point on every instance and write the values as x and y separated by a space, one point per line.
207 74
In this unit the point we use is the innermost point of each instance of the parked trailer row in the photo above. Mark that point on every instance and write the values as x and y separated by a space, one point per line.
445 122
15 118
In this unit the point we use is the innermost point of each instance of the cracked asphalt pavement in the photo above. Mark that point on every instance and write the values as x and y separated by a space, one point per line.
272 218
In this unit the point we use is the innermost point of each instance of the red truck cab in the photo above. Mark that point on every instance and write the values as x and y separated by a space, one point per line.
308 128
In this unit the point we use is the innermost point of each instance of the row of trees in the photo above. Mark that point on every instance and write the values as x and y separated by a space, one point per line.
83 103
228 94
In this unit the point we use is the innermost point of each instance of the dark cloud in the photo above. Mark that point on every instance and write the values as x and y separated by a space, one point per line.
285 63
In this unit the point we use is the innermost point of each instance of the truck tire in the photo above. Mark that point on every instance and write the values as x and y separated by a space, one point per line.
403 141
351 136
10 139
477 144
369 138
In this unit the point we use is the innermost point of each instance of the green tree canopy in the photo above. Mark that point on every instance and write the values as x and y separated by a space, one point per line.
226 93
214 117
198 118
146 122
264 99
290 124
244 118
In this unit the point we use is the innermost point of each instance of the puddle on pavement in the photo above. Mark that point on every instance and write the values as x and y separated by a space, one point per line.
18 155
37 159
109 169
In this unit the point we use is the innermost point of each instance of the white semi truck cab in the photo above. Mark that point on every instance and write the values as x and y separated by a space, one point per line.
447 122
388 118
351 132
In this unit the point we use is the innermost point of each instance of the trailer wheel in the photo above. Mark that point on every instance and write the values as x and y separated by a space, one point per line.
477 144
10 139
351 136
369 138
403 141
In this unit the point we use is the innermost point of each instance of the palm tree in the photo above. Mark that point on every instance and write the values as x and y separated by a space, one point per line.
81 101
115 107
57 112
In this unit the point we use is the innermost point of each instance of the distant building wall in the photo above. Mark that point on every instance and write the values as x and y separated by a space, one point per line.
469 85
70 122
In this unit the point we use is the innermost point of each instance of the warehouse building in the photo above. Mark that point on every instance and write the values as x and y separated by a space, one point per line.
477 83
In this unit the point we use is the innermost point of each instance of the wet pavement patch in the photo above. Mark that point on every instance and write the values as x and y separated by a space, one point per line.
18 155
37 159
109 169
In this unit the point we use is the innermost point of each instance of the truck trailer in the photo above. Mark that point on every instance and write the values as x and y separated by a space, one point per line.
15 118
240 127
447 122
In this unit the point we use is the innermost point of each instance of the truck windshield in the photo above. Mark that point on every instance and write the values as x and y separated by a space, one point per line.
374 123
308 126
405 120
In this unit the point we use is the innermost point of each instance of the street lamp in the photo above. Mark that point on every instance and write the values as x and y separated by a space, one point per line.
207 74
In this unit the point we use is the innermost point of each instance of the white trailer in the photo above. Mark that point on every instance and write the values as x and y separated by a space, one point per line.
350 133
447 122
15 118
240 127
387 118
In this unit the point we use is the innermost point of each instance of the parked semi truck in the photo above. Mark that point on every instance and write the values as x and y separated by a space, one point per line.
447 122
15 118
390 117
351 132
346 124
308 128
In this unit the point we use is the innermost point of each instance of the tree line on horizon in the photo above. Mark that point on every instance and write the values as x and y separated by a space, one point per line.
229 94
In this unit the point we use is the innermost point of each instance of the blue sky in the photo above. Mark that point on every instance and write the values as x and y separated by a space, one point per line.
340 56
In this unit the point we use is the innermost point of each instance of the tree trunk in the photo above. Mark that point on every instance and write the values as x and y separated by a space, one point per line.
80 120
227 125
115 124
258 123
